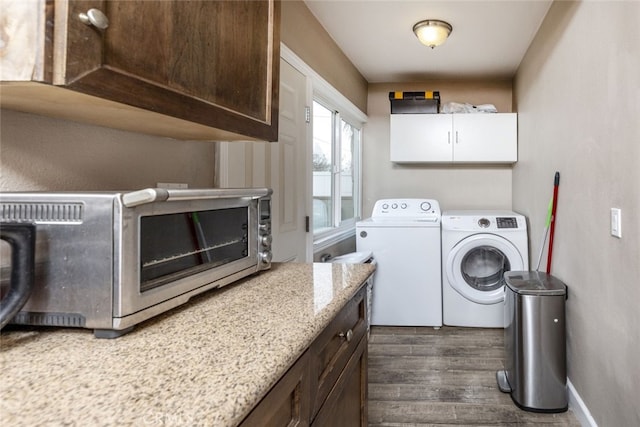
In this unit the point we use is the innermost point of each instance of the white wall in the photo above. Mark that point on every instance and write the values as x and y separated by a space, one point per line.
41 153
307 38
578 101
455 187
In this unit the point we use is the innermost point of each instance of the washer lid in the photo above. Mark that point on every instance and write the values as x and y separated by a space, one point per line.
534 283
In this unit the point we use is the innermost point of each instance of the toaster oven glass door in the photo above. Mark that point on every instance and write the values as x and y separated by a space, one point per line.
178 245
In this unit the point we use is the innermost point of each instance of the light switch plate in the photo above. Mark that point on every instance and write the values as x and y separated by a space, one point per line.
616 222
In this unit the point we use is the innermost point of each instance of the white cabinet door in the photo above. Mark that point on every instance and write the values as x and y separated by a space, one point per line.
458 138
421 138
485 138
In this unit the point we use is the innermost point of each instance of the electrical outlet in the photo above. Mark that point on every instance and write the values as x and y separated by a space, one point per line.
171 185
616 222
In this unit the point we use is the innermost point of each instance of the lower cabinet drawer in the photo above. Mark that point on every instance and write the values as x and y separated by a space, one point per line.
331 351
346 405
287 404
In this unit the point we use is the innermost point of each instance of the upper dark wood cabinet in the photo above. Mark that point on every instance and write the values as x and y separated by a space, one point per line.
212 63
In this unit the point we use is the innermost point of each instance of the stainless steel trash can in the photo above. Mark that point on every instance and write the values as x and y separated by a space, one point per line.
535 371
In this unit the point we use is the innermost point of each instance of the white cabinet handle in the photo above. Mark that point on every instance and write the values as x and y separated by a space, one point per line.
96 18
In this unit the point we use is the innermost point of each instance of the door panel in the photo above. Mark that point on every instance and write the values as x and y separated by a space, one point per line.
287 175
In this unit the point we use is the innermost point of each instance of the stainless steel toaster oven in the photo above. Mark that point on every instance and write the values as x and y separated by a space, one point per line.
110 260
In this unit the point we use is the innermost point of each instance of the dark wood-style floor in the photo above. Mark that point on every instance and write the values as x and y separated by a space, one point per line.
424 376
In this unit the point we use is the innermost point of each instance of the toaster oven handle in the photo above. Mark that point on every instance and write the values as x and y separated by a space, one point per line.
148 195
22 239
151 195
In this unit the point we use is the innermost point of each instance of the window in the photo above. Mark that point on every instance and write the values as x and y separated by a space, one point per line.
336 161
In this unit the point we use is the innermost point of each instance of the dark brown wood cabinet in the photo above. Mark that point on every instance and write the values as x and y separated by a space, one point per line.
211 63
287 403
346 404
334 347
336 377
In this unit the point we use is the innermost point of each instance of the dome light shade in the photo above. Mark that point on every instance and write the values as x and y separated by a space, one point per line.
432 32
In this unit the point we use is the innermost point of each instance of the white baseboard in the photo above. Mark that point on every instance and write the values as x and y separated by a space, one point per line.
578 407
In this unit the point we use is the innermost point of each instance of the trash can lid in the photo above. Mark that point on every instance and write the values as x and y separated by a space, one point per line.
534 283
353 257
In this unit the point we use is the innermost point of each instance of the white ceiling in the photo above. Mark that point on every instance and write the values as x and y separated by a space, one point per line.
489 38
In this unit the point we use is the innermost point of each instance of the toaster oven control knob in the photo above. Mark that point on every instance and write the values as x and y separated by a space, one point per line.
265 228
265 257
266 240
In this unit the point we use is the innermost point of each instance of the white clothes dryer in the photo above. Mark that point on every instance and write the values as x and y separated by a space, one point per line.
404 236
478 247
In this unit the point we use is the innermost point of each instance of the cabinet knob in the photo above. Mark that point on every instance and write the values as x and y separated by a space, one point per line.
96 18
348 335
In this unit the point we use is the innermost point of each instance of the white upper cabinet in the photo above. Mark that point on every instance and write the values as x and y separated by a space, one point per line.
445 138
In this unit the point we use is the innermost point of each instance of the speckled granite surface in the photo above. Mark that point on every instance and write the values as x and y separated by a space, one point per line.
206 363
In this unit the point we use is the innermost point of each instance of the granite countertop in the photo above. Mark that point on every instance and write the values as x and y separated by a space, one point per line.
207 363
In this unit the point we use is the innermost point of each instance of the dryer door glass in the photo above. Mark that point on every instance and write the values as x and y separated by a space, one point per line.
473 267
483 268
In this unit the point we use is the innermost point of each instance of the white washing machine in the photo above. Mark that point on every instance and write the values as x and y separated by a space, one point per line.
404 236
478 247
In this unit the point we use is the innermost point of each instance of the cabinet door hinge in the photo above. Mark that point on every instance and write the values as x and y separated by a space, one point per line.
307 115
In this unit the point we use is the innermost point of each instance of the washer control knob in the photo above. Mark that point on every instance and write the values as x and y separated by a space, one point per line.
425 206
394 206
403 206
484 222
385 206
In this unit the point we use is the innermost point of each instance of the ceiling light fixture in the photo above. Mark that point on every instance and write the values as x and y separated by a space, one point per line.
432 32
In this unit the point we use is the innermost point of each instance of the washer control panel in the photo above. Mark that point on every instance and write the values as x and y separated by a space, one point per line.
507 222
483 221
425 209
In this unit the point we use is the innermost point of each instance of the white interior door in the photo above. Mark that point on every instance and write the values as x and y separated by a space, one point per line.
289 169
281 166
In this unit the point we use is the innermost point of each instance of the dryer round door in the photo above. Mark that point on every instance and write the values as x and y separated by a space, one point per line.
476 265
